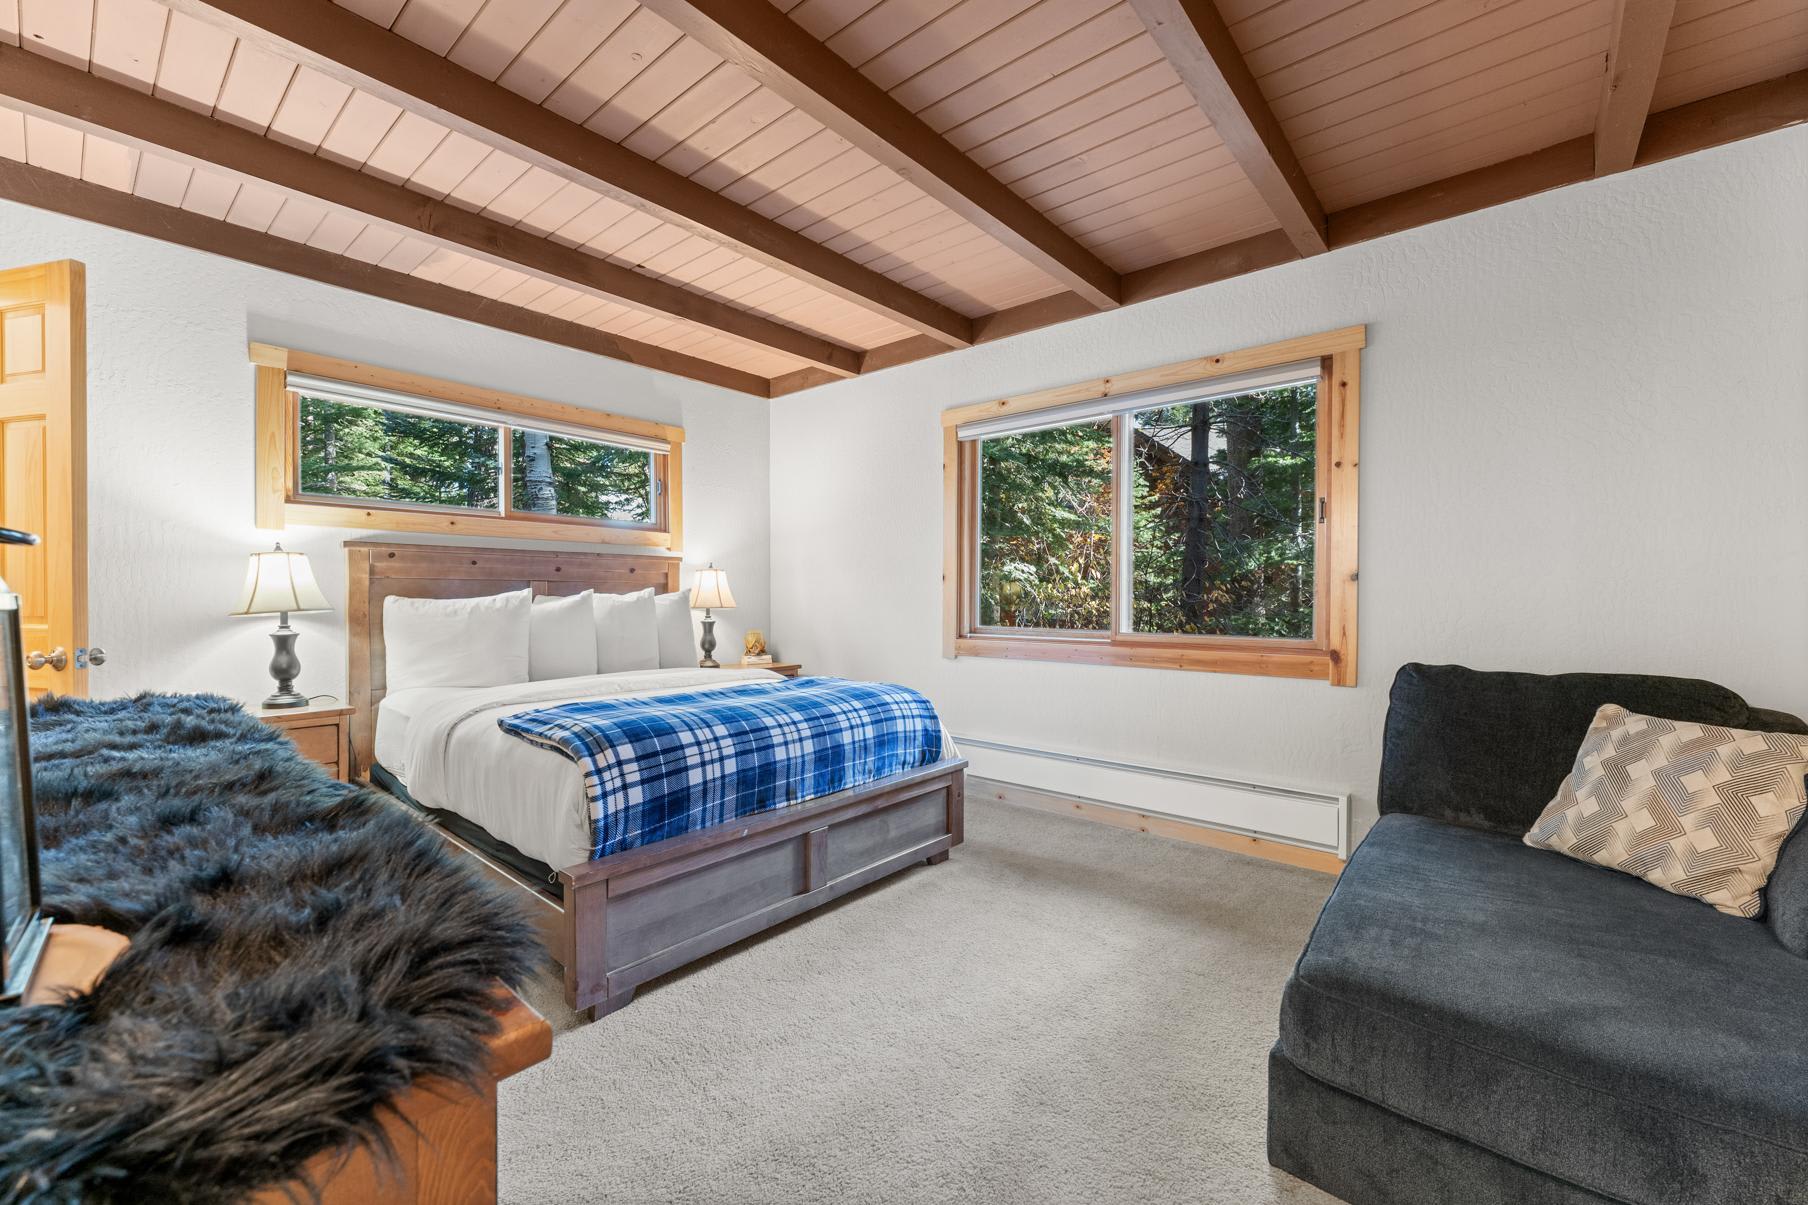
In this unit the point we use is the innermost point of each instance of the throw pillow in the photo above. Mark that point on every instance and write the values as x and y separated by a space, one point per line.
1695 809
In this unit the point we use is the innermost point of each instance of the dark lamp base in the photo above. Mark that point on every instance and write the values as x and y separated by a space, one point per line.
283 667
709 643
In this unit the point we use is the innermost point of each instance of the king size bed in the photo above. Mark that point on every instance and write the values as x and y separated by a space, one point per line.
522 776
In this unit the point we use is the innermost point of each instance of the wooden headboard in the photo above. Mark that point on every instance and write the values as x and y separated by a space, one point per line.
375 570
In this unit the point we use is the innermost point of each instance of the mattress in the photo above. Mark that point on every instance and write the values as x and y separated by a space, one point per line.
442 743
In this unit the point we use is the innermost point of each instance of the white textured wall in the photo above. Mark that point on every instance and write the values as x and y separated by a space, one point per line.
1584 447
170 447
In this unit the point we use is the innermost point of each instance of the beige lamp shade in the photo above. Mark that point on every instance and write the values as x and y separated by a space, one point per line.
710 590
278 582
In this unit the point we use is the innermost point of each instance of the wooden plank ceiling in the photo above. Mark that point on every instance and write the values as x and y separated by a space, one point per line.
770 195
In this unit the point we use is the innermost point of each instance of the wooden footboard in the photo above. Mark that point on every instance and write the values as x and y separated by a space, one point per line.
636 915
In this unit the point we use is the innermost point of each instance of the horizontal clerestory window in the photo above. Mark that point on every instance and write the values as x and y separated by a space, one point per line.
373 448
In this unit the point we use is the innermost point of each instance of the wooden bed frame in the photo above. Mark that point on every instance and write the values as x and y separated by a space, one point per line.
633 916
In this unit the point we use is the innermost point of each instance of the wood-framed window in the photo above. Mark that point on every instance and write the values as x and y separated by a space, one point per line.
1199 515
341 444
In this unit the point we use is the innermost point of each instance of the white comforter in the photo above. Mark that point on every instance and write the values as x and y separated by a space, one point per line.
444 746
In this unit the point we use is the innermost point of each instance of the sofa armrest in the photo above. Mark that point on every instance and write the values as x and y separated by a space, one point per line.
1763 719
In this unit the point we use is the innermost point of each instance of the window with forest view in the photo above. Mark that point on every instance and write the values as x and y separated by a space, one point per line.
352 451
1045 529
1222 520
1223 515
1199 515
563 475
341 444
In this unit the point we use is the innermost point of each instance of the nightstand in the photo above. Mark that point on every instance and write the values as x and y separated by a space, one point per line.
320 731
788 668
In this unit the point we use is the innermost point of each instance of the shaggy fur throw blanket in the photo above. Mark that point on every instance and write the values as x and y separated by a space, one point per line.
302 951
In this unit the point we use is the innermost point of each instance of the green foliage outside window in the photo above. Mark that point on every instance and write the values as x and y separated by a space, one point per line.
368 453
554 474
1223 519
1045 529
350 451
1223 515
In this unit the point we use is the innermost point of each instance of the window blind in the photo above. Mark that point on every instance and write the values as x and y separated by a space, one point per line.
330 390
1298 372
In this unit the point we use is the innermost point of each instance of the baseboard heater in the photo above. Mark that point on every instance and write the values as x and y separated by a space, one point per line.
1308 819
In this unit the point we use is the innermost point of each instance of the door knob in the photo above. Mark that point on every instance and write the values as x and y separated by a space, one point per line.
57 660
88 658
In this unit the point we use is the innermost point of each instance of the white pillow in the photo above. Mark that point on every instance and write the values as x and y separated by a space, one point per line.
456 641
561 638
627 631
677 643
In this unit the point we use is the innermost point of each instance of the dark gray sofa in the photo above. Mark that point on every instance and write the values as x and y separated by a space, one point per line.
1475 1022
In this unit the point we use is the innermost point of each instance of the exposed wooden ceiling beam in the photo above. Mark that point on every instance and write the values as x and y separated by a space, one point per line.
1742 113
1713 121
45 189
767 45
1728 117
1635 52
74 97
1199 45
344 46
1145 284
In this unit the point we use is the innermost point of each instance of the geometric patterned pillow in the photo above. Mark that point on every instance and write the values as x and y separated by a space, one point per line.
1694 809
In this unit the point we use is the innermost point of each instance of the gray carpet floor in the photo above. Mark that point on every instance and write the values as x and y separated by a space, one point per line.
1062 1012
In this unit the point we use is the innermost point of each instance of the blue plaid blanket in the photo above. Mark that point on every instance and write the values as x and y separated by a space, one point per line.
655 768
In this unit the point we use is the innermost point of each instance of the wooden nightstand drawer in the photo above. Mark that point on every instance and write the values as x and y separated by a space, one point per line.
319 733
319 743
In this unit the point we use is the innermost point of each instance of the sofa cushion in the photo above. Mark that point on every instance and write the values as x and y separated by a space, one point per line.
1585 1024
1490 749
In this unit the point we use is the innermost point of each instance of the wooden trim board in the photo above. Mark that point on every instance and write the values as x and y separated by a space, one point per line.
498 401
1199 368
1160 826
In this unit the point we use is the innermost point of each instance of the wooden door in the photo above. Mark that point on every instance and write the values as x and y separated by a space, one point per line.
43 466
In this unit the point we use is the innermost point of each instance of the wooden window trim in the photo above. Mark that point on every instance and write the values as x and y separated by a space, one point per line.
1330 655
279 503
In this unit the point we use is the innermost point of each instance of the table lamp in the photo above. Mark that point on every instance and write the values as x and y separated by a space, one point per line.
277 583
710 590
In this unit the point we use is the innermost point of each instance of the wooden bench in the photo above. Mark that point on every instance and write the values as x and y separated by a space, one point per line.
444 1134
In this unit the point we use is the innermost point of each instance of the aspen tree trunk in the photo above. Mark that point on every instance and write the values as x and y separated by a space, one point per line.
537 481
